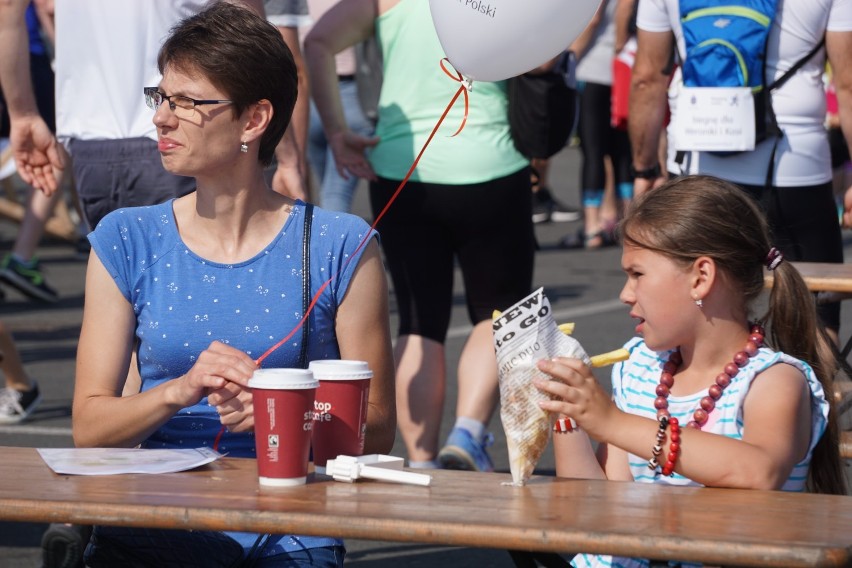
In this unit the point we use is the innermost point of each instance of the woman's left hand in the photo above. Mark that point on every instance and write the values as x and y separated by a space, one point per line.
234 404
577 394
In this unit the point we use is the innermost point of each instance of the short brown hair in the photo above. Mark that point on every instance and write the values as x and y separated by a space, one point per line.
243 55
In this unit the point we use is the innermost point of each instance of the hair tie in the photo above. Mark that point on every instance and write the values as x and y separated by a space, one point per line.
773 259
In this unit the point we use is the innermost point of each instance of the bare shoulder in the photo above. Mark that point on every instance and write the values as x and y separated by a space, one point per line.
781 380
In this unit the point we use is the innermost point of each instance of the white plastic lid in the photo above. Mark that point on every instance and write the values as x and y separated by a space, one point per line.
285 379
340 369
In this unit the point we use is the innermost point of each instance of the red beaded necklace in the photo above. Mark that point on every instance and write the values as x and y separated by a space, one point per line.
723 379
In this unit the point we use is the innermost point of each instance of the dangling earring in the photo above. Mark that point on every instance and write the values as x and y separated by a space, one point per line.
699 302
244 147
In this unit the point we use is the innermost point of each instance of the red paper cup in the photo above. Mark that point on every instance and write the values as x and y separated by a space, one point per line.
340 409
283 419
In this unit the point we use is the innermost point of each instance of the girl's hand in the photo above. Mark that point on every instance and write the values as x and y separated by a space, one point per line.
577 394
217 367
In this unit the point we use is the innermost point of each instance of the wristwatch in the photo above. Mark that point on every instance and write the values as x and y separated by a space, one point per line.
650 173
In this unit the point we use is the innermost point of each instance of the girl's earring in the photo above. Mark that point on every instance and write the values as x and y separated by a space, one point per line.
243 147
699 302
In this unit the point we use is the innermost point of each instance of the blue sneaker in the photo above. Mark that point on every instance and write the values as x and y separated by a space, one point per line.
463 452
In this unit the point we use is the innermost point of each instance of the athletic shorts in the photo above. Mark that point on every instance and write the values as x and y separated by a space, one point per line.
485 229
110 174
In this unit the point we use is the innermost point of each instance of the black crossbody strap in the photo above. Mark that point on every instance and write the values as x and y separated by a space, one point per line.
770 171
306 282
796 66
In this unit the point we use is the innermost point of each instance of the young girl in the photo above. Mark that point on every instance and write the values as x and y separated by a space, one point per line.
706 397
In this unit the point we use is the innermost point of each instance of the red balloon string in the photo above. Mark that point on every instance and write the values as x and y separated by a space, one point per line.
463 88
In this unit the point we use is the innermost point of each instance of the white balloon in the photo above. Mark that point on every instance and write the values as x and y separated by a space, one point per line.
491 40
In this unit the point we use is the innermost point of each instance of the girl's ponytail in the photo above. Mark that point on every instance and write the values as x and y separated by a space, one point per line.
795 330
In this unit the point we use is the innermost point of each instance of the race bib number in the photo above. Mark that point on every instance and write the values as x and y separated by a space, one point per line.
714 119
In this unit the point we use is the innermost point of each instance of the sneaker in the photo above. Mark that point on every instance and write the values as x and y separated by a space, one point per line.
561 213
546 208
15 405
27 278
540 207
463 452
63 545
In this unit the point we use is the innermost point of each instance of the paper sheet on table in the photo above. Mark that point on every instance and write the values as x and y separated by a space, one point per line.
111 461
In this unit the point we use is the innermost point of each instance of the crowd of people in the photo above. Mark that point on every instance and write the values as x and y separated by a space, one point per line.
197 152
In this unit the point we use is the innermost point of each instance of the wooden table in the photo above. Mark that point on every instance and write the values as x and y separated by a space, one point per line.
823 276
835 280
717 526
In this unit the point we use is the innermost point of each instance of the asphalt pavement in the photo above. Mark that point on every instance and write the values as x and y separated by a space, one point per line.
582 286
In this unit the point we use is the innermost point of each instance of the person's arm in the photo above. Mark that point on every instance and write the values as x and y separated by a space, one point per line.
583 41
648 101
776 430
344 25
33 144
623 17
101 416
575 457
291 174
838 46
363 334
46 12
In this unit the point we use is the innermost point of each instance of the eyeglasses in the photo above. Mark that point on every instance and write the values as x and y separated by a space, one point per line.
154 98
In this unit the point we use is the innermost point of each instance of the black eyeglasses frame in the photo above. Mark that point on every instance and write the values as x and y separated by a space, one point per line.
150 92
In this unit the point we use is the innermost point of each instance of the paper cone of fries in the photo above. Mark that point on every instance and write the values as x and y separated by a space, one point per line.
523 335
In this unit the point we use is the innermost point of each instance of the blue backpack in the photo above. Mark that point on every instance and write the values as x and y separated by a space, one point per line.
725 44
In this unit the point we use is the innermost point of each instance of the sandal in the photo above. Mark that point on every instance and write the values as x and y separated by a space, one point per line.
601 239
581 240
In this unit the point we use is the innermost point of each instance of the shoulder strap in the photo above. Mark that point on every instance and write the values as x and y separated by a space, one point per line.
306 282
770 172
796 66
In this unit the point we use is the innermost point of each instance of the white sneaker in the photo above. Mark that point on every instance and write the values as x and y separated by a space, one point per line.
16 406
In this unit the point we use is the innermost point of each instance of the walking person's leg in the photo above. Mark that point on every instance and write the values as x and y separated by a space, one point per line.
419 258
21 395
496 253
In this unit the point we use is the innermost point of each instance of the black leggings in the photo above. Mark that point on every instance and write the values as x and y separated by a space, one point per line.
487 227
599 139
805 227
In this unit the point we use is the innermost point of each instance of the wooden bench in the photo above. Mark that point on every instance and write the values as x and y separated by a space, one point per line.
835 280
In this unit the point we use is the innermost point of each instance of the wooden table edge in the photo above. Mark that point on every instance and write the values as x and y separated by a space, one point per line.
446 534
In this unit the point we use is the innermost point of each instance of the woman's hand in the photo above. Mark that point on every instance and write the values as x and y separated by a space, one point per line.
234 404
577 394
220 368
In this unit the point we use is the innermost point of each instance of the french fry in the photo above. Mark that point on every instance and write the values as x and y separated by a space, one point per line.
610 358
566 328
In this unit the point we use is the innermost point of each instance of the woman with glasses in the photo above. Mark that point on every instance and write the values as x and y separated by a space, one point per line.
200 287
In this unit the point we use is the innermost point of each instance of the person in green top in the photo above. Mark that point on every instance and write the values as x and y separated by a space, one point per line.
468 202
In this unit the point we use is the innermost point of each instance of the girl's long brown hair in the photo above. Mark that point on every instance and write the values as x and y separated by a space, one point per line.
697 216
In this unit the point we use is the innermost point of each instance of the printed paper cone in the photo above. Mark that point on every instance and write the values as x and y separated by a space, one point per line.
523 335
